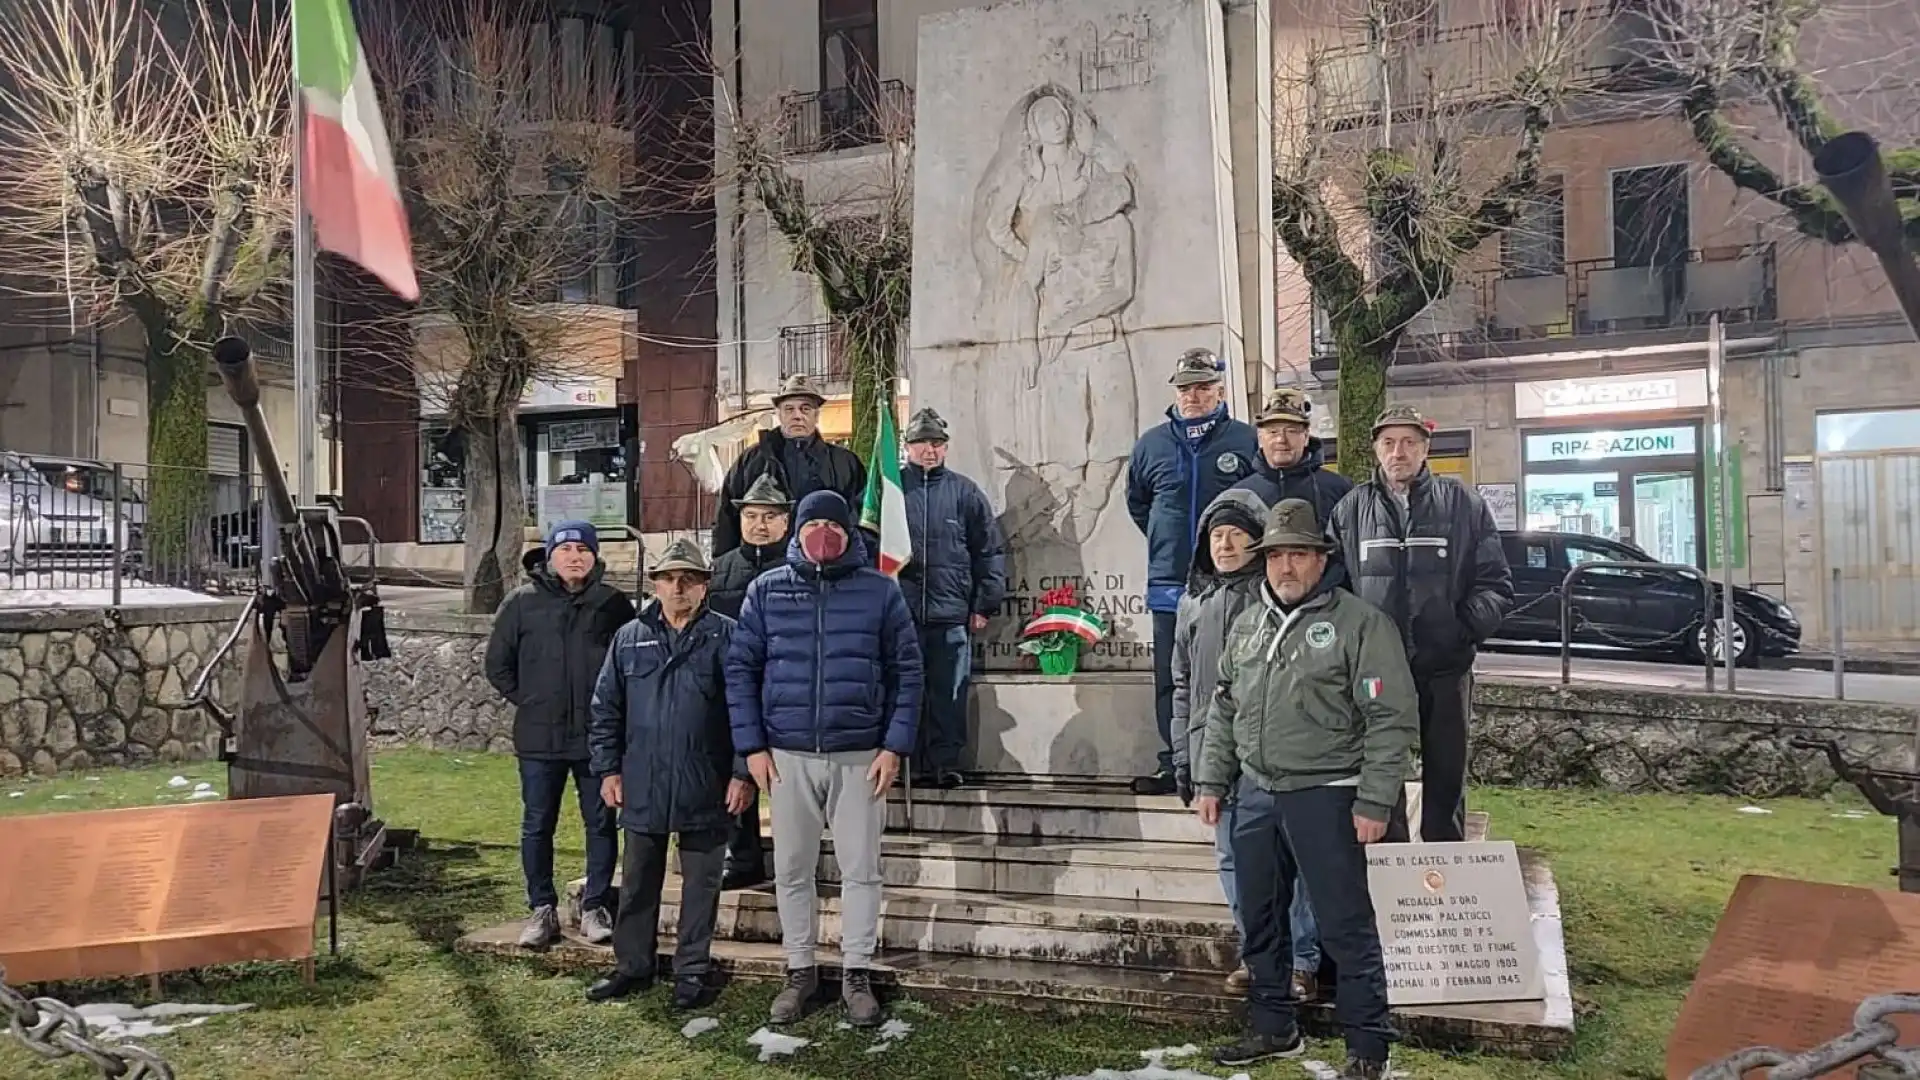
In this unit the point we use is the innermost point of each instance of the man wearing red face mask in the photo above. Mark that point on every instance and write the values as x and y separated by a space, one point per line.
824 679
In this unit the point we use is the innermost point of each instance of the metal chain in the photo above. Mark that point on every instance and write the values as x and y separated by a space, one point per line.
1871 1040
53 1030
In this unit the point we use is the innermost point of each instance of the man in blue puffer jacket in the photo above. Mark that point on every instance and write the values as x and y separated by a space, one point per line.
1177 469
823 681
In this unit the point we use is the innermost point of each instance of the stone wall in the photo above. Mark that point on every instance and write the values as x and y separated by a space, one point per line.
85 688
1537 734
433 691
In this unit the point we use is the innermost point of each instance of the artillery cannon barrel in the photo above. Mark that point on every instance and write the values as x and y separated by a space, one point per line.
1851 168
234 358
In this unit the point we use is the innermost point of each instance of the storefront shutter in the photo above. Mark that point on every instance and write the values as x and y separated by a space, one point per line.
225 450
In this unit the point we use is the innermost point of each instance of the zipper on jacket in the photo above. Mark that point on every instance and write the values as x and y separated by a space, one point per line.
819 659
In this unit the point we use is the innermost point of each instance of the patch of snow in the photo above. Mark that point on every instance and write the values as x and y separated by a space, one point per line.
1851 815
879 1047
843 1026
93 779
699 1026
204 795
63 796
1145 1072
83 593
1754 810
16 794
179 781
117 1023
772 1044
202 786
1164 1053
895 1029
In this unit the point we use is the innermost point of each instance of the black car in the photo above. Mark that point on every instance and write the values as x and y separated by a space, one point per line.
1642 610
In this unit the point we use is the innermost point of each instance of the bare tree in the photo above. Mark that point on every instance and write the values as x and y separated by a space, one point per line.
144 173
850 230
516 168
1417 150
1731 55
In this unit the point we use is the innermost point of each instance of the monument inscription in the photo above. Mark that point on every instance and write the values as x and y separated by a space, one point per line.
1454 924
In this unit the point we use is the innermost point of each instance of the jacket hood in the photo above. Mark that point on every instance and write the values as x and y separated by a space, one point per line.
1235 506
1315 457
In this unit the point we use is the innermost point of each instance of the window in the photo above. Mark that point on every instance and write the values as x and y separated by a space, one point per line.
1524 554
1651 222
590 273
1581 552
1536 244
849 45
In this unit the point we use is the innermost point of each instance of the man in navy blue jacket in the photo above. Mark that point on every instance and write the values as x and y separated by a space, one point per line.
1177 469
824 679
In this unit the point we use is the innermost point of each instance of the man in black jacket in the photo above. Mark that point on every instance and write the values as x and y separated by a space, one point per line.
795 455
663 750
764 512
955 580
549 639
1292 462
1423 548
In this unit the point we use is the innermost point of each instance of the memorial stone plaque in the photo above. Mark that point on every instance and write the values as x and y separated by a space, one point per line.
109 893
1454 924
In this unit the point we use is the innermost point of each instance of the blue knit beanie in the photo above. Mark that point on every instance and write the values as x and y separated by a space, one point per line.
573 532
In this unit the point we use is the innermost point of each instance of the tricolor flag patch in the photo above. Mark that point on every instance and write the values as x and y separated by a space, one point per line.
1372 686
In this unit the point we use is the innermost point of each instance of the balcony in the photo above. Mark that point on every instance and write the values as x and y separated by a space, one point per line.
1465 67
818 351
845 118
1499 313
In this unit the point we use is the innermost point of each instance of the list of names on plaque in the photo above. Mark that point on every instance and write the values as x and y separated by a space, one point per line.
189 885
1454 924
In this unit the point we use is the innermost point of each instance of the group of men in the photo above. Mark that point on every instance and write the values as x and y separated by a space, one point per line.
787 666
1310 635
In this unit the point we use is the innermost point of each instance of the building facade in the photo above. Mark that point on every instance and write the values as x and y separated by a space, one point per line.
1568 369
636 332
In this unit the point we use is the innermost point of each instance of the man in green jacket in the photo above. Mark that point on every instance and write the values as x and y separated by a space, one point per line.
1312 725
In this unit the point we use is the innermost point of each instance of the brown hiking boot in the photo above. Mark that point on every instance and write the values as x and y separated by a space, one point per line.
1306 987
791 1003
856 990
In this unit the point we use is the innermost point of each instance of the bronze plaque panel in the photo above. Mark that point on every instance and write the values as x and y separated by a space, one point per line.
111 893
1789 963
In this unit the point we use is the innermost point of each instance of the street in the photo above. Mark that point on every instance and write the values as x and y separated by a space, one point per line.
1894 689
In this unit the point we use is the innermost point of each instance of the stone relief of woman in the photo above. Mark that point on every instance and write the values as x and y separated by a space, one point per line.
1054 241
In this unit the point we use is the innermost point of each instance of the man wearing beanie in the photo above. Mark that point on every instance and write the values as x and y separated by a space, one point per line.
824 680
549 639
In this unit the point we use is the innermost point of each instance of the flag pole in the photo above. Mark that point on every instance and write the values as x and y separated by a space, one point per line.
306 383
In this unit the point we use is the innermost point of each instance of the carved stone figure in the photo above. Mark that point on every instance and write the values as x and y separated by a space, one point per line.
1054 242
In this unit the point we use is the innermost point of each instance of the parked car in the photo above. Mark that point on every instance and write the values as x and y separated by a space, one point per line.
48 524
1646 610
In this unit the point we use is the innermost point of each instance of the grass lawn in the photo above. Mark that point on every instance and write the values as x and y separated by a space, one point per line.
1642 881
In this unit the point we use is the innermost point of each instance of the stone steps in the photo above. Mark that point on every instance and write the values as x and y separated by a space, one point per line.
1059 812
1127 870
1140 934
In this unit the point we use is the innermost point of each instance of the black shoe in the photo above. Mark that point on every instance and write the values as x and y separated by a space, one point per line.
743 877
1362 1069
617 986
950 781
1255 1047
1157 784
689 992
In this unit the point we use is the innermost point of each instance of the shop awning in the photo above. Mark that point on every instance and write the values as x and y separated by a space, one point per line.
712 451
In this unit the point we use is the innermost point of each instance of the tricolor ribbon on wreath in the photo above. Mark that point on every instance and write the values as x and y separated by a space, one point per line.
1055 634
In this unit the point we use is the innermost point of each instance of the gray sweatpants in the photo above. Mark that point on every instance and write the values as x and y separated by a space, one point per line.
817 792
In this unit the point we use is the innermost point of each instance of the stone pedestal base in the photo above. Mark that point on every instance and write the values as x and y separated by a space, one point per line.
1089 726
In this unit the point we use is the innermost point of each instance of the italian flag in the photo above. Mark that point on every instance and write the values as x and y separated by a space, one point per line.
885 510
351 191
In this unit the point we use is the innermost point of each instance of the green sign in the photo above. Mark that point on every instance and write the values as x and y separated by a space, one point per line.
1737 506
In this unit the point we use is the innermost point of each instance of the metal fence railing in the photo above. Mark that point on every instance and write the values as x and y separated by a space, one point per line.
94 534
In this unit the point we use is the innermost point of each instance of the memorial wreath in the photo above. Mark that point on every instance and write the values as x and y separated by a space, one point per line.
1055 634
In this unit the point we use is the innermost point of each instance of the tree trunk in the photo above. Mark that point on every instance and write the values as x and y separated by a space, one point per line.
178 504
1363 393
873 355
496 515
